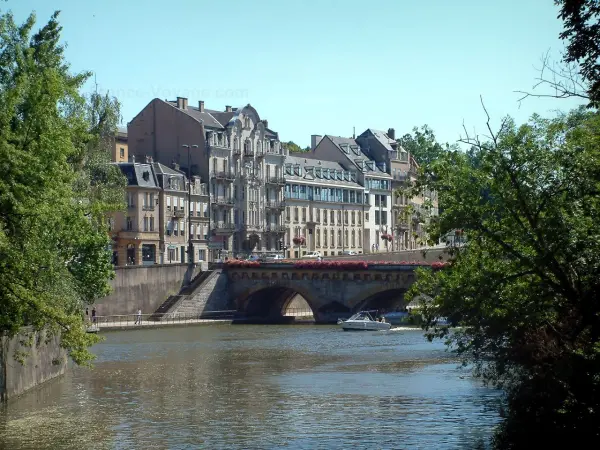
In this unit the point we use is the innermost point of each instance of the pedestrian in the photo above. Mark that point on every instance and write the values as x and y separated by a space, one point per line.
138 319
94 314
87 314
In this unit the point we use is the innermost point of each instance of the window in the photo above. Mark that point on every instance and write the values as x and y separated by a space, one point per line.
146 224
324 238
122 152
168 203
366 217
201 255
377 218
359 239
339 238
332 217
332 238
129 224
182 227
192 230
303 215
339 217
287 214
353 217
353 239
359 217
346 238
318 215
383 217
318 238
296 214
151 223
345 217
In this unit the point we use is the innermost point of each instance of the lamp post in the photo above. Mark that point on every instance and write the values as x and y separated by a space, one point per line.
189 171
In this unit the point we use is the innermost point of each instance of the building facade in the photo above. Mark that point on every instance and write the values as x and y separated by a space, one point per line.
324 207
240 156
119 146
373 177
164 214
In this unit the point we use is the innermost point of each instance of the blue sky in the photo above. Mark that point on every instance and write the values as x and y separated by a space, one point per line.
317 66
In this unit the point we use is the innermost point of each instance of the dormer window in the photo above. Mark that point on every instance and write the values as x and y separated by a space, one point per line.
355 150
146 175
297 170
360 163
309 171
345 148
326 174
352 176
370 165
346 176
338 174
288 169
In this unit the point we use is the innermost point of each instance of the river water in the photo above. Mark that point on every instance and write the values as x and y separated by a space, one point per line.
257 387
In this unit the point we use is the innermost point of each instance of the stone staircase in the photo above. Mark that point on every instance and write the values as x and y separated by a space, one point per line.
208 292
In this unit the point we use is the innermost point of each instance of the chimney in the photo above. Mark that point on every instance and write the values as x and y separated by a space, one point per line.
182 102
266 122
314 141
201 105
391 134
228 109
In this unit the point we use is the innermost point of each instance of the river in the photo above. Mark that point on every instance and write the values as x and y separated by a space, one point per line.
257 387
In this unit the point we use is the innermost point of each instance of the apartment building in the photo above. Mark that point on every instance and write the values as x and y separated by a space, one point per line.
162 214
240 156
372 176
325 205
119 147
407 224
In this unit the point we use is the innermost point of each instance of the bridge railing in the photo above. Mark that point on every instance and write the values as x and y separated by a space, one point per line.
133 320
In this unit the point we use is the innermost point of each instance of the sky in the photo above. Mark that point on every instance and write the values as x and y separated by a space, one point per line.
317 66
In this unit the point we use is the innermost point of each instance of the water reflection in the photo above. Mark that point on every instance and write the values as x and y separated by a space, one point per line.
257 387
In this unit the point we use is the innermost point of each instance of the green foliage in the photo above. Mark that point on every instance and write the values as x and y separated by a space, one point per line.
55 187
525 287
423 146
582 33
295 148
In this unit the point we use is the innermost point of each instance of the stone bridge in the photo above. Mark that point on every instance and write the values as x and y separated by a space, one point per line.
267 289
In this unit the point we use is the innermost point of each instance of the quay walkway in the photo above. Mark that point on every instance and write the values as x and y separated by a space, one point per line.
133 321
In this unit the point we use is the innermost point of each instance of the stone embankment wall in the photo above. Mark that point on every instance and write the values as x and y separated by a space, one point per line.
143 287
28 360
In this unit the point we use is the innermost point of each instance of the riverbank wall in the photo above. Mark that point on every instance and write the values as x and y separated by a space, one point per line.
144 287
29 359
429 255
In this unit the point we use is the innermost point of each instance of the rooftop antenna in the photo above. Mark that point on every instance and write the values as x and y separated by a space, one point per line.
353 132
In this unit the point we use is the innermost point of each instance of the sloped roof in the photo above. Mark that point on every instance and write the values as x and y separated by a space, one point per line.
317 163
353 158
138 174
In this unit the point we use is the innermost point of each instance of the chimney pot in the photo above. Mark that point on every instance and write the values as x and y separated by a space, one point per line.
201 106
182 102
391 134
227 108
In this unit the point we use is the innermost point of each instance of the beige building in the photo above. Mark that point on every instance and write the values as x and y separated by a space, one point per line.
160 220
120 150
325 205
236 151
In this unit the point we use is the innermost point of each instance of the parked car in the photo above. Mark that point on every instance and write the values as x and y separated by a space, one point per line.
253 258
274 257
312 255
350 252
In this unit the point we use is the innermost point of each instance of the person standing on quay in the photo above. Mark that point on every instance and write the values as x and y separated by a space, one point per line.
94 314
138 318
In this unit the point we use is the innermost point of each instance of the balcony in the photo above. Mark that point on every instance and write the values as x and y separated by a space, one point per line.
224 227
248 227
222 175
275 205
133 235
278 181
179 213
148 208
276 229
260 153
248 152
223 201
250 176
237 151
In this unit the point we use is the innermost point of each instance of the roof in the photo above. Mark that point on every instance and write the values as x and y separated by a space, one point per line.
206 117
355 156
317 163
383 138
138 174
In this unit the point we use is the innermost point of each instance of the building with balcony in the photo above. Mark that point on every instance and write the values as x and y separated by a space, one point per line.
408 215
160 219
325 205
373 177
239 155
135 231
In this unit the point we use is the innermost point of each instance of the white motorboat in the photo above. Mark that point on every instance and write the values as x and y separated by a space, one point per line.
363 321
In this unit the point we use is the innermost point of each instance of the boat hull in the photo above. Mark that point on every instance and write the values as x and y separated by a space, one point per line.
360 325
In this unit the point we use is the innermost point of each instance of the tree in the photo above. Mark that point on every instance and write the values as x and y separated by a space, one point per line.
422 145
55 187
295 148
525 287
582 32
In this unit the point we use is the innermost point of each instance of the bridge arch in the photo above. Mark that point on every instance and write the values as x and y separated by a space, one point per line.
276 302
380 299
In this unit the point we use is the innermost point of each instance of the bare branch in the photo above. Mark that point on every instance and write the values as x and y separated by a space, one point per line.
562 80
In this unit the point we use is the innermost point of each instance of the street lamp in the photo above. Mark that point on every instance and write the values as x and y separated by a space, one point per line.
189 168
